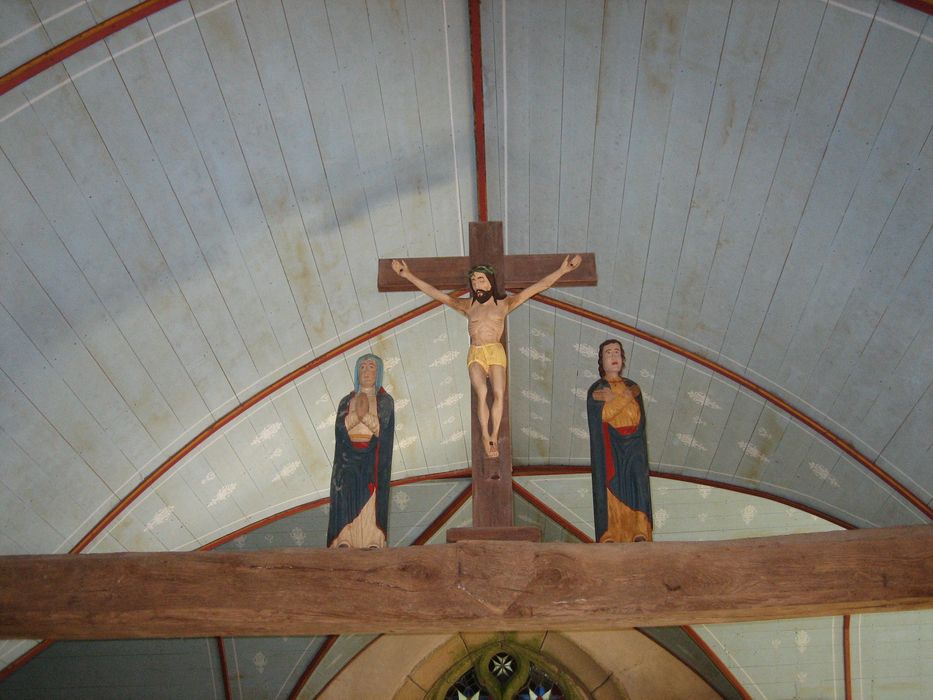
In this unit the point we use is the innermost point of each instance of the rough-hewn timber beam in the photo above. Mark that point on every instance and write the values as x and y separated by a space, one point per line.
464 586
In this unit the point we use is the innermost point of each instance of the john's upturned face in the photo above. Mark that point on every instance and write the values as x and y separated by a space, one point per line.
368 374
612 359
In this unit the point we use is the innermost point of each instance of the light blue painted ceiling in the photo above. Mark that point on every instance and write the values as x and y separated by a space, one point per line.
194 207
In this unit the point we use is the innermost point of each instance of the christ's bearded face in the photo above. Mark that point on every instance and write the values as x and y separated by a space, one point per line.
482 288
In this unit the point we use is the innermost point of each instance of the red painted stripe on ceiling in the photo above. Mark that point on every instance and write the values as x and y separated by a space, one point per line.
88 37
479 119
723 669
224 669
312 666
847 654
770 397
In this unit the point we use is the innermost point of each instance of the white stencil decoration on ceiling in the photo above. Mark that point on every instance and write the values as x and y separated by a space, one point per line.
454 437
823 474
579 393
161 516
801 640
580 433
588 351
328 422
532 354
534 397
440 339
753 452
223 494
451 400
402 403
700 398
286 471
210 476
401 499
748 514
298 536
534 434
446 358
646 374
389 363
259 661
704 490
407 442
690 441
660 518
266 433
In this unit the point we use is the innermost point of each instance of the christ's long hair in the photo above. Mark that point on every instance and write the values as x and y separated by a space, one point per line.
602 372
490 273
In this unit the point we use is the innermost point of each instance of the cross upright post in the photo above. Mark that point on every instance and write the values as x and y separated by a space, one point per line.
492 475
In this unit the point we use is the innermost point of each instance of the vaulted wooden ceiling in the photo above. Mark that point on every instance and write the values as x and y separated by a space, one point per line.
191 211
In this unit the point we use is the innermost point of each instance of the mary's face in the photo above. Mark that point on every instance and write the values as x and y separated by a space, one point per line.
368 374
612 359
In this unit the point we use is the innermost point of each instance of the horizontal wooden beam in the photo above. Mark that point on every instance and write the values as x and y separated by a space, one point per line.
520 271
466 586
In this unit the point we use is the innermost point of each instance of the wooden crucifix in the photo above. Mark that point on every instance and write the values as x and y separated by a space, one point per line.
525 275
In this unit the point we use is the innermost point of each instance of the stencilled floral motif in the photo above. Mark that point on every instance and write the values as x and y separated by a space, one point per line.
286 471
277 452
580 393
407 442
699 421
823 474
328 422
389 363
648 398
703 517
587 351
266 433
401 500
751 451
222 494
589 374
454 437
660 518
446 358
324 398
580 433
700 398
535 416
240 542
534 434
690 442
801 677
776 644
440 339
802 640
451 400
533 397
209 477
402 403
533 354
705 490
161 516
646 374
762 432
537 377
298 536
748 514
259 661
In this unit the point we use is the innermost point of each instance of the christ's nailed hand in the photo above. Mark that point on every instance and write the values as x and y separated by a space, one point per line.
400 267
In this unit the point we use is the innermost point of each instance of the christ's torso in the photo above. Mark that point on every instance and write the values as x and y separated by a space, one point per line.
487 321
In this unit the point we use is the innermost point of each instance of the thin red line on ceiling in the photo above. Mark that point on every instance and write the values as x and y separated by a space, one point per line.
723 669
312 666
479 119
847 653
88 37
225 671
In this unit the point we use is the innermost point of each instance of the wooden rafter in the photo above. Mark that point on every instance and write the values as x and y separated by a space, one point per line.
468 586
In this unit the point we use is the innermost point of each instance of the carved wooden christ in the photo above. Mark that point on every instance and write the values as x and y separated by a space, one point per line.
527 275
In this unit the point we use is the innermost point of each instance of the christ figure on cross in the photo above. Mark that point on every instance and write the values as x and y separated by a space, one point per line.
486 361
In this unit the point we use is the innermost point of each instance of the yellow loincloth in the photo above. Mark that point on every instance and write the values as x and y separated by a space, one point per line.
486 355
